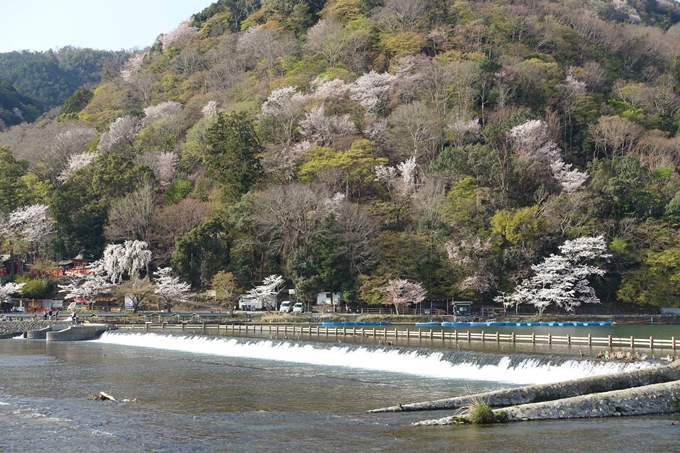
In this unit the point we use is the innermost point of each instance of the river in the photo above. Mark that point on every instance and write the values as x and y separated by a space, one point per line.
228 394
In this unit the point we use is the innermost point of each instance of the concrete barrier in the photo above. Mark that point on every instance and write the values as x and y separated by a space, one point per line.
40 334
78 333
550 392
648 400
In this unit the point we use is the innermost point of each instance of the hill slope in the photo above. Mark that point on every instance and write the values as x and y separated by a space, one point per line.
51 77
345 144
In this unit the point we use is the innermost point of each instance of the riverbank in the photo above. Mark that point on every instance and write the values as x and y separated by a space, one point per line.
12 328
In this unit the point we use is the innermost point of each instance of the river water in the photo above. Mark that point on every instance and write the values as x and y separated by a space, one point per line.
235 394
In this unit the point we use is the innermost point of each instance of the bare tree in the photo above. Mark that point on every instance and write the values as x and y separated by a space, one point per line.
260 43
326 39
615 136
130 217
55 157
287 217
402 15
413 129
174 221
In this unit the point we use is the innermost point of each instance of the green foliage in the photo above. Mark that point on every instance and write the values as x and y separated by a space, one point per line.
481 414
51 77
177 191
356 165
202 252
34 288
231 154
12 186
77 101
15 107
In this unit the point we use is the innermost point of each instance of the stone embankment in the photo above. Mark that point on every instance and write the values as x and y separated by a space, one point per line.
14 328
550 392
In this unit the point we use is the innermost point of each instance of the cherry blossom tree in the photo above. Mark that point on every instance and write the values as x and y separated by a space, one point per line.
400 180
210 109
133 65
267 291
179 36
371 88
401 292
562 280
57 155
531 141
8 289
128 259
281 111
75 163
87 286
160 111
169 288
121 135
30 223
324 129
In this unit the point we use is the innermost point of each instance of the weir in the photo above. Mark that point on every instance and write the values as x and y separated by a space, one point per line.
436 363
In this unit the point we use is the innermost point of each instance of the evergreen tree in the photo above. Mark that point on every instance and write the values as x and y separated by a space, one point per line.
232 153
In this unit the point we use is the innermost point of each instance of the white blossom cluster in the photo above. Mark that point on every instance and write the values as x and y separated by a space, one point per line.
562 280
401 178
8 289
28 223
170 287
461 126
333 204
531 141
371 88
75 163
401 292
159 111
128 258
282 101
324 129
87 286
267 291
179 35
166 167
132 65
210 109
121 132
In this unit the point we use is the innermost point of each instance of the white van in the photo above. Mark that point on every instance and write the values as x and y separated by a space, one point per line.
285 307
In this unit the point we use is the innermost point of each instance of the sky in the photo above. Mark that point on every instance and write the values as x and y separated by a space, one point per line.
98 24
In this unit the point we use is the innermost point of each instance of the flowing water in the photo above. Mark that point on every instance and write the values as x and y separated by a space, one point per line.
235 394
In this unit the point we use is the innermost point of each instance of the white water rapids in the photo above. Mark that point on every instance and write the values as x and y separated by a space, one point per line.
421 362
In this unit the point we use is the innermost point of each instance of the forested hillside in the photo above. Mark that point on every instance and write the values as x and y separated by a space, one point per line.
51 77
16 108
347 143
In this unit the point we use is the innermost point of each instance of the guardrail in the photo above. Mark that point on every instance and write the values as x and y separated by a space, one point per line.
385 333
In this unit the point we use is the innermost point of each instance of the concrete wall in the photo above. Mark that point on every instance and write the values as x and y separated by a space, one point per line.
78 333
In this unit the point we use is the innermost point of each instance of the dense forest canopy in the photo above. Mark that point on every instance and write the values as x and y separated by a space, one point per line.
345 144
51 77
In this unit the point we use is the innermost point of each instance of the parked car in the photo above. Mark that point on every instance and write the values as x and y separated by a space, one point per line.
285 307
298 308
